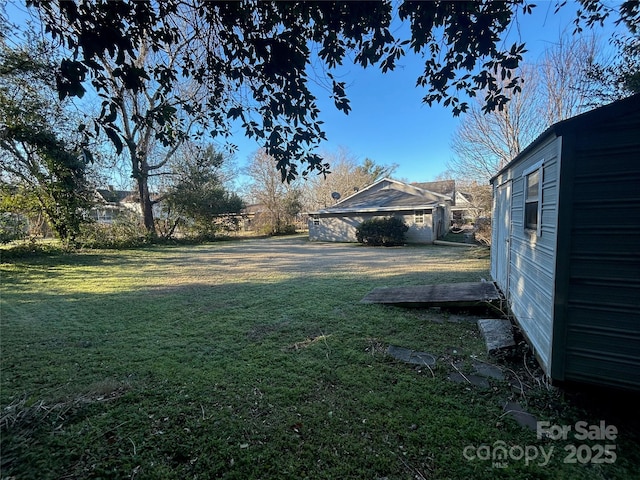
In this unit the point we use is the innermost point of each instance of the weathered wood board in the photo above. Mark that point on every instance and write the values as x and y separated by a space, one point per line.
464 294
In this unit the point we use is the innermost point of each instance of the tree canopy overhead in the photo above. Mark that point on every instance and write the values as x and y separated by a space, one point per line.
254 56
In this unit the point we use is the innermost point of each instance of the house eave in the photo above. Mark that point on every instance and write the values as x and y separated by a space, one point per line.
403 208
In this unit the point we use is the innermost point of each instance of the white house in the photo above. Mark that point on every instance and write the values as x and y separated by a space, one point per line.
111 204
425 212
566 245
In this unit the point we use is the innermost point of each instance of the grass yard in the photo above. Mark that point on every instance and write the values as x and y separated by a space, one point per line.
255 359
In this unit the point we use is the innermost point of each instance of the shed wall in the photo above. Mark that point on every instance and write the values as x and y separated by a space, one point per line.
600 321
532 257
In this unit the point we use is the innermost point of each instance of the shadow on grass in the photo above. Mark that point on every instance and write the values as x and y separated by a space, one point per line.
280 373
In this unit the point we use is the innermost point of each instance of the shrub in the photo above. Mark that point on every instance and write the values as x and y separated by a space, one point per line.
32 248
382 231
288 229
124 233
483 231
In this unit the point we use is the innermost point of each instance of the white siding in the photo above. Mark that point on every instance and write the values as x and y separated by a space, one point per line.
532 256
342 228
419 233
335 228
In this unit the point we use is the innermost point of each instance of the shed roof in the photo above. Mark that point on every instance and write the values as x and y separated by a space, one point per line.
588 119
387 195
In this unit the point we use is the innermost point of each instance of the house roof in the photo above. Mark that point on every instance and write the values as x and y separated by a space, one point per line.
463 198
253 208
116 196
585 120
387 195
444 187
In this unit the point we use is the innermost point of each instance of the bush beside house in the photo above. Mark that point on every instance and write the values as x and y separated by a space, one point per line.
382 231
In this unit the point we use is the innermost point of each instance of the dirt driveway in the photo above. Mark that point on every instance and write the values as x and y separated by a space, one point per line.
296 256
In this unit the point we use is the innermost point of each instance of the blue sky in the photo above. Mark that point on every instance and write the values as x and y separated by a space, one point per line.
390 124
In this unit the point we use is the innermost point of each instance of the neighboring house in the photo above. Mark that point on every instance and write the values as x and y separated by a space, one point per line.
463 208
443 187
111 203
248 216
425 212
566 245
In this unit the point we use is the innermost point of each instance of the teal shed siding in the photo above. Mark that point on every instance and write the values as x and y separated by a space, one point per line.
598 325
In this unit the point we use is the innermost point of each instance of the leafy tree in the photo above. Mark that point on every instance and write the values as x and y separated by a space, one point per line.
13 221
253 56
197 198
21 207
619 77
12 227
250 60
374 171
39 154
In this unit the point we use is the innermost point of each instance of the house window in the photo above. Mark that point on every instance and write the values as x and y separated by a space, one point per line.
532 200
418 217
316 220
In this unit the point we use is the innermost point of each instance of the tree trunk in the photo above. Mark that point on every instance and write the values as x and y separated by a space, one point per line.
146 205
141 174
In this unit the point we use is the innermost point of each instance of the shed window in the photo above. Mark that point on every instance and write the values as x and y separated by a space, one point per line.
532 201
316 220
418 217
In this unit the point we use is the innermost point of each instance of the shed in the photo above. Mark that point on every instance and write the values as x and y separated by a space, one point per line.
566 245
425 212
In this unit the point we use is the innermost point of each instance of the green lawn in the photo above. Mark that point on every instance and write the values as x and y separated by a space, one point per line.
255 359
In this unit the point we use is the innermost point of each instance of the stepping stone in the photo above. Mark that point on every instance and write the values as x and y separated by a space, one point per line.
524 418
497 334
411 356
470 379
455 318
488 371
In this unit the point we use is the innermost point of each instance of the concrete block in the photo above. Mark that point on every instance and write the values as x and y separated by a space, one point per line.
497 334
